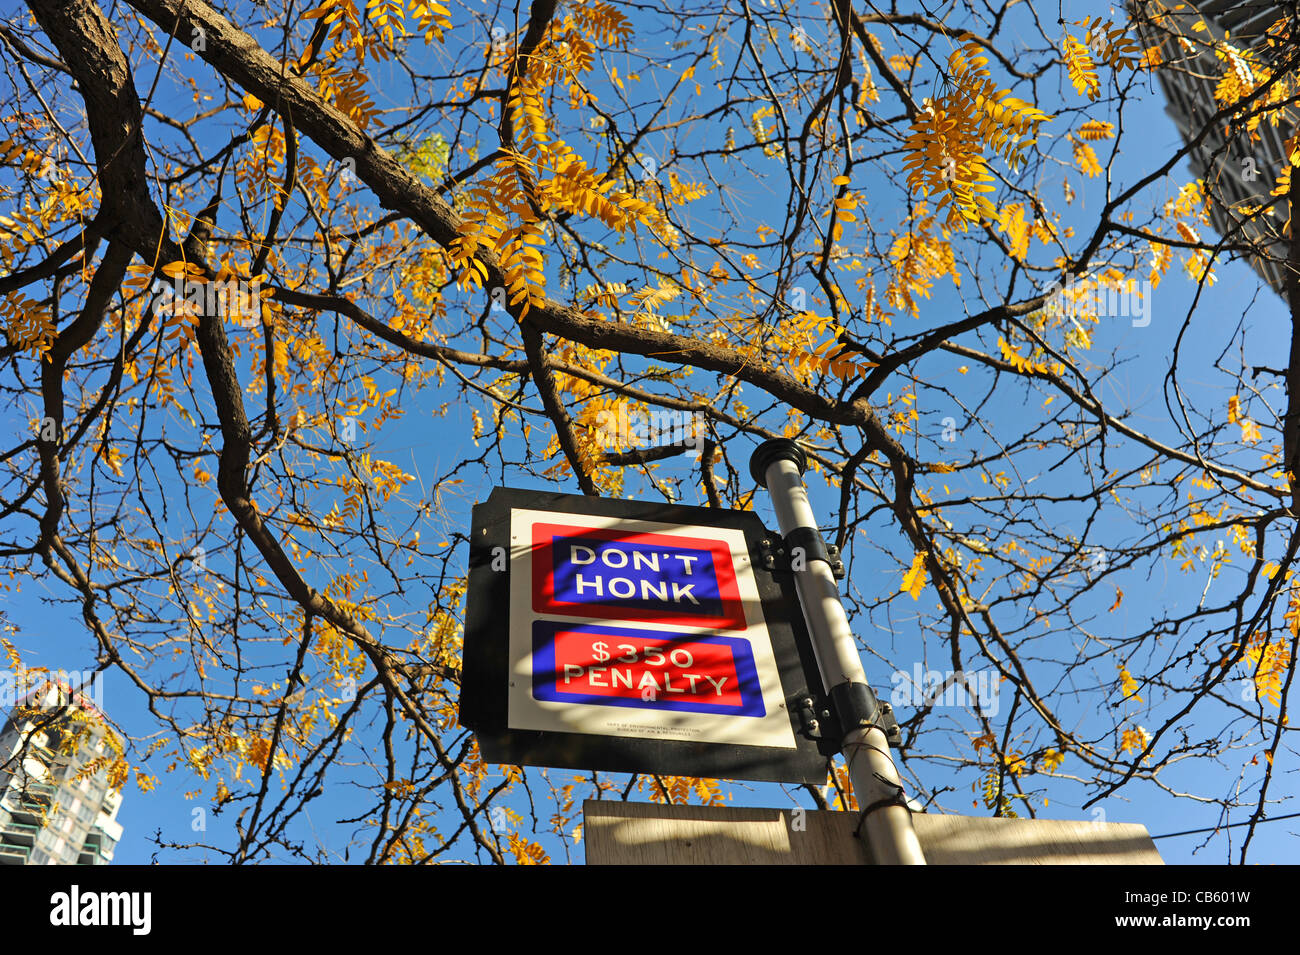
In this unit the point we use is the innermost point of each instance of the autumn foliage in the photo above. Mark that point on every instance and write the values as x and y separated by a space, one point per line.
284 291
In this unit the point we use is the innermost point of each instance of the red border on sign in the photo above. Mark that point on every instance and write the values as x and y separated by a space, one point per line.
544 600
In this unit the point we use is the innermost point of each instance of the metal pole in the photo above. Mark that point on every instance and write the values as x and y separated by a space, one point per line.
778 465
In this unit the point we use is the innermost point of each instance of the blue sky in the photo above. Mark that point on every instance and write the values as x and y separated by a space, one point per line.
429 443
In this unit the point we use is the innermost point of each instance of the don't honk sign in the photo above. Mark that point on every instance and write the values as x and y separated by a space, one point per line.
626 635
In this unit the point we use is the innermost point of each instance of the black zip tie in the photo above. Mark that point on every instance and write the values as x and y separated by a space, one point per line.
899 798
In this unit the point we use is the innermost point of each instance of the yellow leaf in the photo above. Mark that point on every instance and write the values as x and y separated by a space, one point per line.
1085 157
1096 129
1079 66
1128 686
1134 740
914 579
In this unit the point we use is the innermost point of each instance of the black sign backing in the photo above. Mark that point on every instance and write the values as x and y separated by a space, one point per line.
486 671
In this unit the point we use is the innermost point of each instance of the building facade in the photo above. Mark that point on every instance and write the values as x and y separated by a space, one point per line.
56 806
1197 43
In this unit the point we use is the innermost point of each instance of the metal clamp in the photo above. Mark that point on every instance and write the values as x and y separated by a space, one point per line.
807 710
781 552
857 707
810 547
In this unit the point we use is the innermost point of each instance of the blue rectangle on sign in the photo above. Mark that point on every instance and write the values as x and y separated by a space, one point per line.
636 576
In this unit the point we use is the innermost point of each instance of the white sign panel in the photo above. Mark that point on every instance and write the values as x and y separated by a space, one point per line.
640 629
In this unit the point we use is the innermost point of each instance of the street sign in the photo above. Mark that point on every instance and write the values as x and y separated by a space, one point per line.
635 637
630 833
